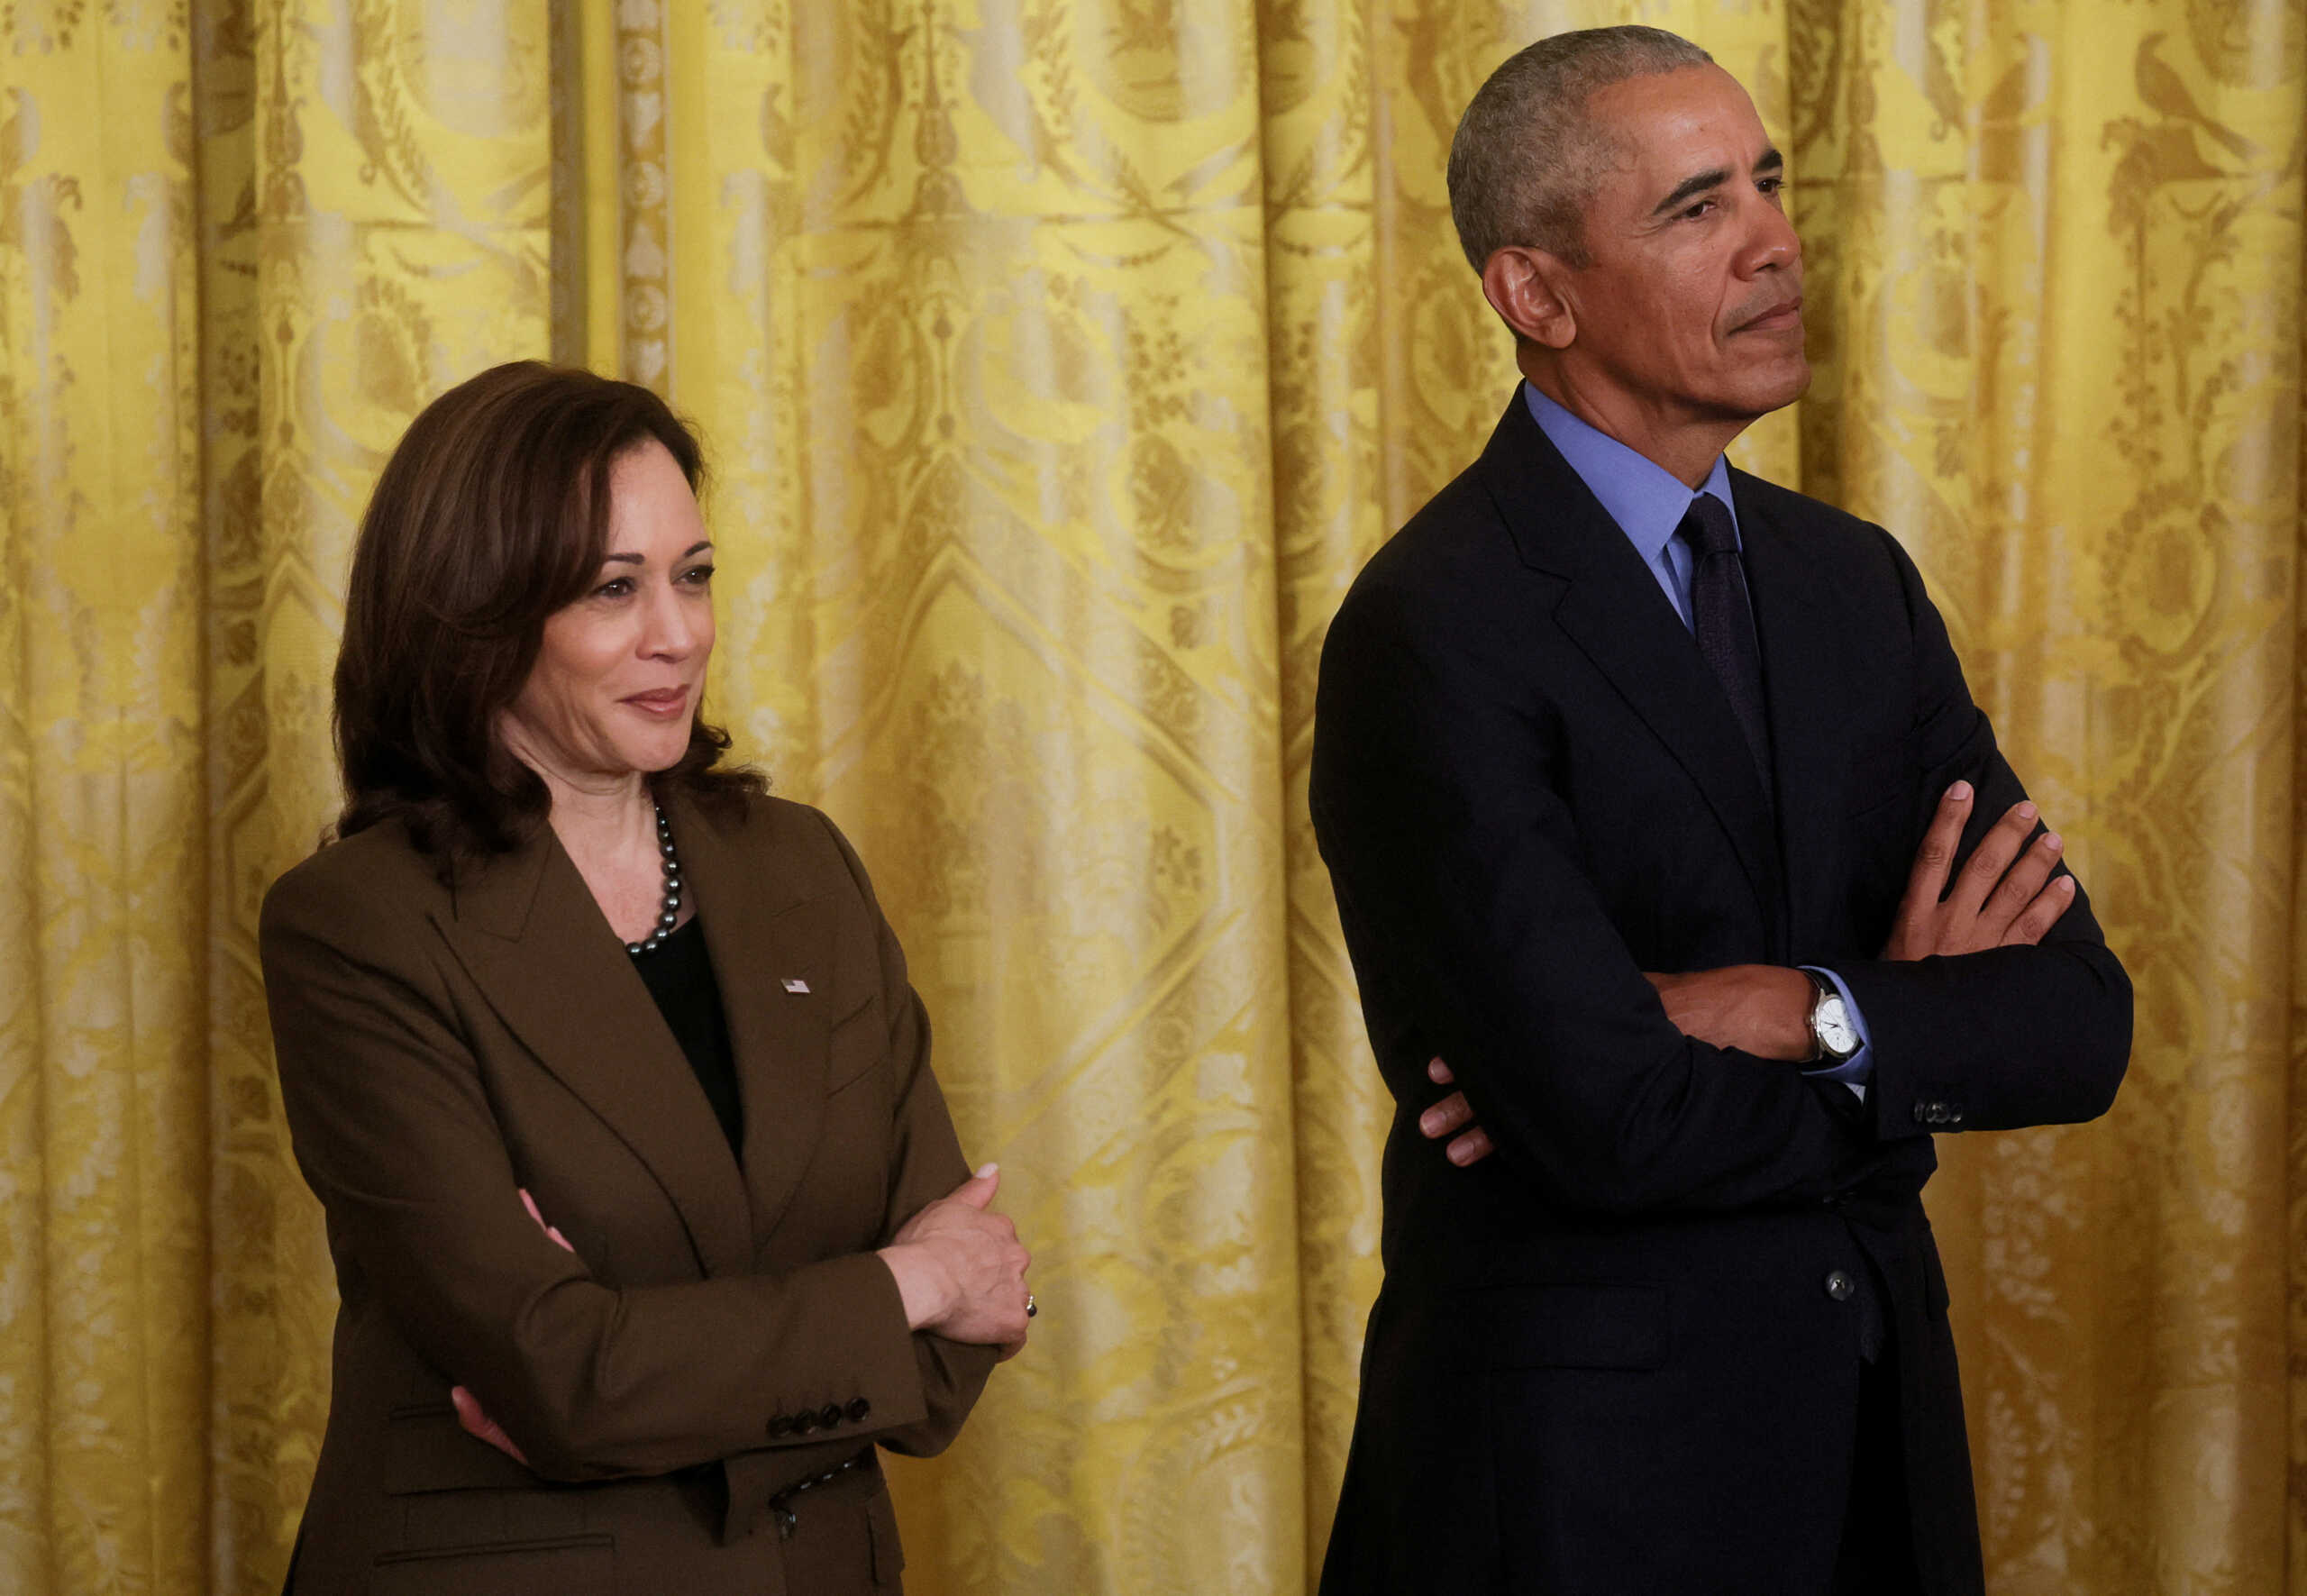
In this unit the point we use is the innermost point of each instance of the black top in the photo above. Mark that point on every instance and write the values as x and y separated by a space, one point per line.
678 973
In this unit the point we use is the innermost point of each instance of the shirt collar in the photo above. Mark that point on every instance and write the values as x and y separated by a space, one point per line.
1646 500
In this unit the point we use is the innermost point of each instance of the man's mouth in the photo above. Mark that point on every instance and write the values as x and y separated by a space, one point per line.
1778 318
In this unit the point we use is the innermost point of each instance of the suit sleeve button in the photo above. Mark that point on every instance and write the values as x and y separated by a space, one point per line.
1922 1113
804 1424
780 1426
858 1409
831 1416
1840 1285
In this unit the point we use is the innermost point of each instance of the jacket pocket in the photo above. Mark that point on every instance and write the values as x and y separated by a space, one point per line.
569 1566
1576 1327
426 1449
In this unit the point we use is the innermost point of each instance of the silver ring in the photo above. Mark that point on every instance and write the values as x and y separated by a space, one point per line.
1030 1308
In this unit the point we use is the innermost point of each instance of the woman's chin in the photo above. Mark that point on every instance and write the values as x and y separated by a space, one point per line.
651 756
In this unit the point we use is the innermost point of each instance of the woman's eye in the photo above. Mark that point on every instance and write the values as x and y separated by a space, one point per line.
615 588
699 574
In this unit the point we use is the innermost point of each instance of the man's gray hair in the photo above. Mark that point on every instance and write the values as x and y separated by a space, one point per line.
1525 159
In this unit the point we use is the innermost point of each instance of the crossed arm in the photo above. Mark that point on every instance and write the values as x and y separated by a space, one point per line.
958 1265
397 1134
2003 896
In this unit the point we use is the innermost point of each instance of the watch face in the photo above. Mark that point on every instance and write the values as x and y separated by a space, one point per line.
1836 1032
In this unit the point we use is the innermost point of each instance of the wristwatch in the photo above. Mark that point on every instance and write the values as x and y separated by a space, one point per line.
1834 1040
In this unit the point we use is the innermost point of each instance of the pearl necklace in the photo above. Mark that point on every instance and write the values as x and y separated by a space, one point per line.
672 914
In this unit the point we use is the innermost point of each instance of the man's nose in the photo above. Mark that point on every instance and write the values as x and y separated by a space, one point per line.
1772 241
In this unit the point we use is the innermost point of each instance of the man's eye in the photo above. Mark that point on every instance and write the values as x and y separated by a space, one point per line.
1771 185
1698 210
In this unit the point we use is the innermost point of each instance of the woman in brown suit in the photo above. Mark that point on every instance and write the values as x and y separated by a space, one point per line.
648 1218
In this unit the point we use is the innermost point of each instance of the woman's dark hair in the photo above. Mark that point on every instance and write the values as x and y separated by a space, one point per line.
492 513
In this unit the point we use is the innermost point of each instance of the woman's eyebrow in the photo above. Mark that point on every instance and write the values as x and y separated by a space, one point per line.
638 559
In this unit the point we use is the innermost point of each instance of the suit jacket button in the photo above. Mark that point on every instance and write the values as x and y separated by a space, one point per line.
1840 1285
858 1409
831 1416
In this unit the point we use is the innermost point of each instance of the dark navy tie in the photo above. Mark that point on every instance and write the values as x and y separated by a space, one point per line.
1724 621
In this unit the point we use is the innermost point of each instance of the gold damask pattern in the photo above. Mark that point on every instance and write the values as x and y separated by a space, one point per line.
1060 361
644 190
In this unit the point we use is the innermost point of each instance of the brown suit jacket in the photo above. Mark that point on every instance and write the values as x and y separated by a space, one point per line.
722 1336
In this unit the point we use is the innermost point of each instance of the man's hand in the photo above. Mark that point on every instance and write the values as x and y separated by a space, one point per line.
2004 896
1448 1116
1764 1009
1995 902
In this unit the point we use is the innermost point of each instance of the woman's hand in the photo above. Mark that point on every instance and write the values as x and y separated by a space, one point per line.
477 1424
960 1268
470 1416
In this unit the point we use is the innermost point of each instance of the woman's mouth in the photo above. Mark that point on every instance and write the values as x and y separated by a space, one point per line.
665 703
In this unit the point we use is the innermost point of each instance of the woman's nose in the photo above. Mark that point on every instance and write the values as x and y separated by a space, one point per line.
672 629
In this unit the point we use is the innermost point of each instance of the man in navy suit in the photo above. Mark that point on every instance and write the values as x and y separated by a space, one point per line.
1655 804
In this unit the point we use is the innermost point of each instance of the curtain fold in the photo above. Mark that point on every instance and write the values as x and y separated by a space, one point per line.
1059 361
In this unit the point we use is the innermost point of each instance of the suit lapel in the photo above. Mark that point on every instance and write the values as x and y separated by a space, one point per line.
1613 610
1808 677
540 950
773 951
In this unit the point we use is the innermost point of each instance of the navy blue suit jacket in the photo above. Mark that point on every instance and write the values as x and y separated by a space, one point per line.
1606 1360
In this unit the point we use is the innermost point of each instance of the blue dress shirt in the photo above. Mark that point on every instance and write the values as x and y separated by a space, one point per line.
1649 503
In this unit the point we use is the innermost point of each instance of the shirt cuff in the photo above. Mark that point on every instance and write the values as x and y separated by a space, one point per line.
1858 1068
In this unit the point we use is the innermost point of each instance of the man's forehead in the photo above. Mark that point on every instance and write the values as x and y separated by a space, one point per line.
1663 121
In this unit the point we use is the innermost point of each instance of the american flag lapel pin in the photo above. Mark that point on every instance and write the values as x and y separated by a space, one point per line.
795 984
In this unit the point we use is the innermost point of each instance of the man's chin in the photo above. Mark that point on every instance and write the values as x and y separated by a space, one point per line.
1762 391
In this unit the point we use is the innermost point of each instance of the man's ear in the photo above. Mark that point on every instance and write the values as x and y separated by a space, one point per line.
1524 287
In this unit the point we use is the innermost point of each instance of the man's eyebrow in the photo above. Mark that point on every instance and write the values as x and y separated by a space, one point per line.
637 560
1699 182
1690 188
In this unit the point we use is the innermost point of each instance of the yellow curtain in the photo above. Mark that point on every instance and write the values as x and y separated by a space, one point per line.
1059 361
